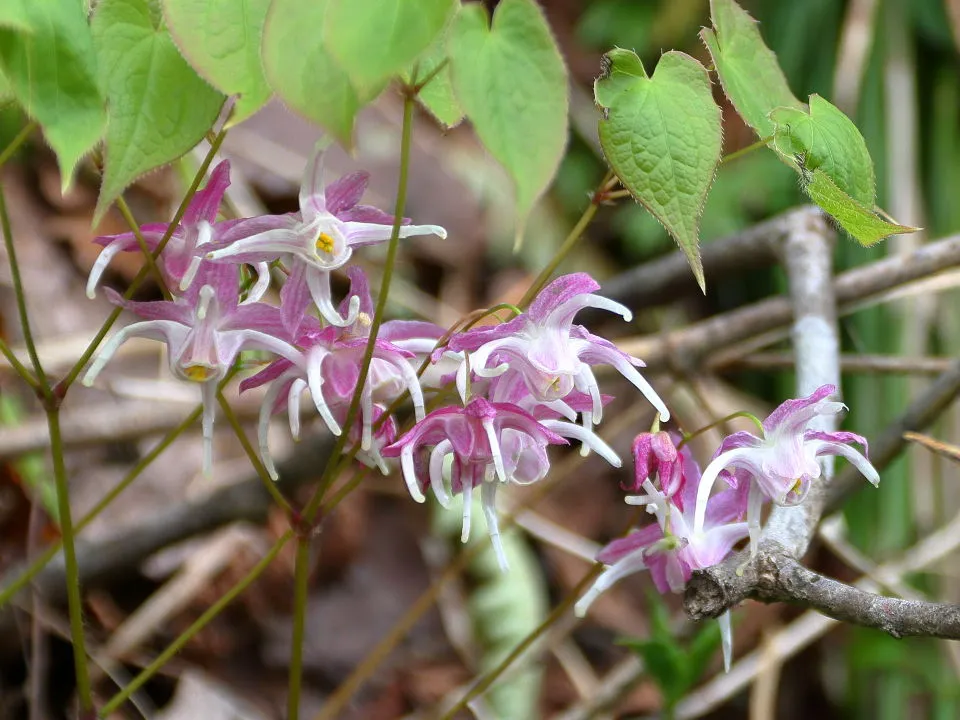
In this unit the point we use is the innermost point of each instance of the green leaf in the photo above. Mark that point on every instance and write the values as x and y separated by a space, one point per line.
748 70
662 137
375 40
512 84
665 662
437 95
859 221
221 39
14 14
827 139
301 70
159 107
52 72
701 649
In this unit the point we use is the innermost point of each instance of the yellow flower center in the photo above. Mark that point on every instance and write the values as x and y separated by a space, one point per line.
198 373
795 487
364 320
325 243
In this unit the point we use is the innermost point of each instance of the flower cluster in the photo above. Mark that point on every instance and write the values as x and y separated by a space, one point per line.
696 529
206 324
524 385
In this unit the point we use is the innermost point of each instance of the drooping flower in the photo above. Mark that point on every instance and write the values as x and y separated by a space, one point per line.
205 330
316 240
671 549
330 366
782 464
194 235
553 355
490 444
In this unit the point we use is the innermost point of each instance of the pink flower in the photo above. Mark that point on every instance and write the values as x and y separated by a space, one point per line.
197 232
553 356
204 330
315 241
490 444
782 464
330 367
672 548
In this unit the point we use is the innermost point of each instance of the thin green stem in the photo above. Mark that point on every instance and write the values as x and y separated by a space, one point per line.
74 600
262 473
18 367
762 142
406 134
301 577
10 590
18 291
421 84
568 244
140 276
15 144
329 472
201 622
732 416
490 677
141 241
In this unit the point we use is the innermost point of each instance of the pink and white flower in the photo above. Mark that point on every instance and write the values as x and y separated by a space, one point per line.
205 330
782 464
490 443
672 548
317 240
552 355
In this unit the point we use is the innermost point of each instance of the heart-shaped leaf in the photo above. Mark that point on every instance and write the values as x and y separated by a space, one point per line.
303 73
748 70
662 137
375 40
859 221
437 95
159 107
52 72
221 39
512 84
827 139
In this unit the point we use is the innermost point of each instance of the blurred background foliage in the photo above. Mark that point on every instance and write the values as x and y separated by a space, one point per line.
893 66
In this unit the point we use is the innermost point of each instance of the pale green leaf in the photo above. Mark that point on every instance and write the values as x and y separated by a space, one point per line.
303 73
221 39
827 139
52 72
860 222
437 95
748 70
512 85
375 40
14 14
504 607
662 137
159 107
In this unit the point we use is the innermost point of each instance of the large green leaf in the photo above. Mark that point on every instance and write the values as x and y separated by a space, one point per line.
827 139
52 72
221 39
748 70
159 107
301 70
437 95
662 136
375 40
512 84
859 221
14 14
